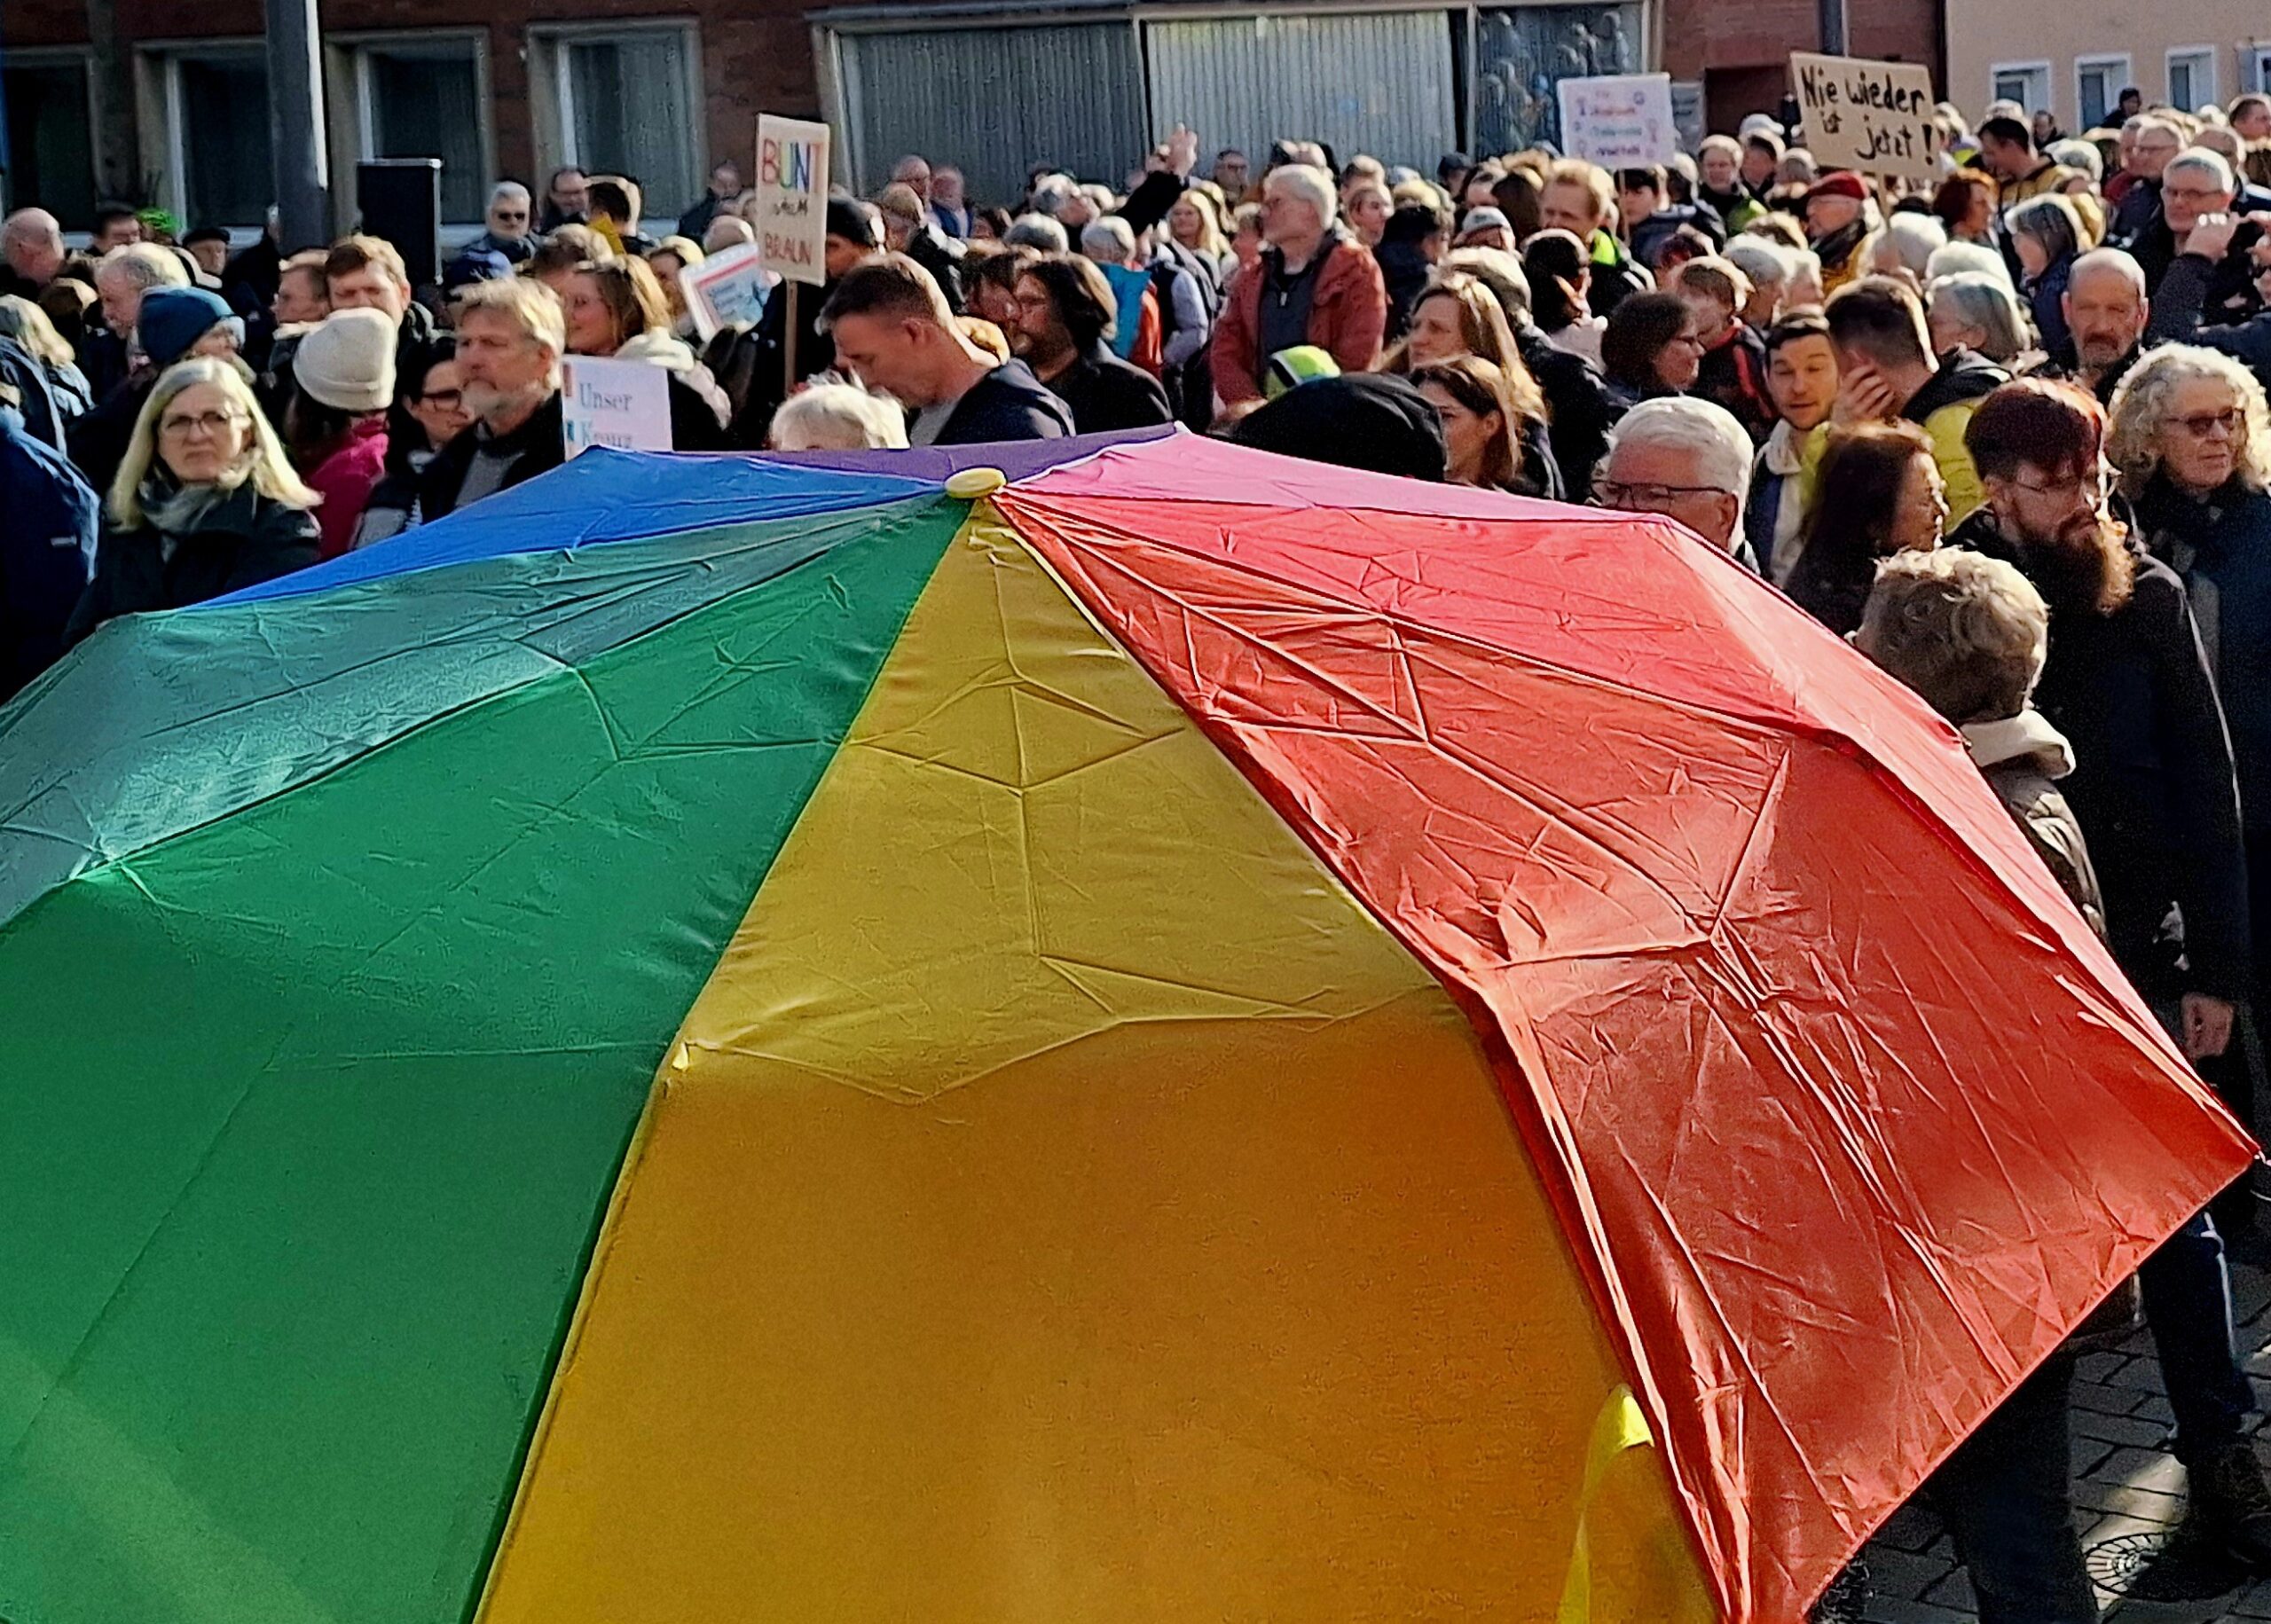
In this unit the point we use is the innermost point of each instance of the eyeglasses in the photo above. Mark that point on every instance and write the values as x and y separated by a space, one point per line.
2192 194
2231 420
450 399
2093 484
213 423
1646 499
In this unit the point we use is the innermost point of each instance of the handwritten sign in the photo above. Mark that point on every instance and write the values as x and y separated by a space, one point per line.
1875 117
792 197
1619 120
728 289
623 405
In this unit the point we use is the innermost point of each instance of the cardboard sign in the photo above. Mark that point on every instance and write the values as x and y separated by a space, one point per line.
792 197
1619 120
1875 117
728 287
624 405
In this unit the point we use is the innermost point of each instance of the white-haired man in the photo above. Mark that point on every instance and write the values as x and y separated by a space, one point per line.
2215 249
1686 459
509 225
510 336
1315 284
121 277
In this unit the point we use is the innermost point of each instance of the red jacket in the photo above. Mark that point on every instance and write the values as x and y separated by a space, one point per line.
1347 317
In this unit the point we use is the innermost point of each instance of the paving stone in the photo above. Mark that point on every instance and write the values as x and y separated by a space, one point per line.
2110 1400
1898 1573
2119 1429
1954 1593
2122 1500
1896 1610
2142 1469
1913 1528
2099 1366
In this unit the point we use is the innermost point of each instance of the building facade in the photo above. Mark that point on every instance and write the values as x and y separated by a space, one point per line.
176 110
2076 60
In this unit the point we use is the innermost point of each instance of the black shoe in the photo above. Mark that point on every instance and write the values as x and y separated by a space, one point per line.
2231 1505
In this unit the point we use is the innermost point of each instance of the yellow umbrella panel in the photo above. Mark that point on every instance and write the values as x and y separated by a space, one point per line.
1065 1202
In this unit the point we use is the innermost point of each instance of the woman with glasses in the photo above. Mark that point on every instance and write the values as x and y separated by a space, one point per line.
2190 441
431 401
203 504
1650 348
1877 492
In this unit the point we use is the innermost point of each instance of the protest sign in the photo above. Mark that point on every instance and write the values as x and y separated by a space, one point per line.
792 197
727 288
1619 120
623 405
1875 117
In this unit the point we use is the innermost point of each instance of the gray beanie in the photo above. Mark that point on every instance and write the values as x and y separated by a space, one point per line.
346 361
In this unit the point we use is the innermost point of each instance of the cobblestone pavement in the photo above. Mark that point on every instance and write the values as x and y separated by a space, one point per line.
2128 1492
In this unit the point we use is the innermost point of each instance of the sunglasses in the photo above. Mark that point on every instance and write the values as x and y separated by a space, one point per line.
2231 420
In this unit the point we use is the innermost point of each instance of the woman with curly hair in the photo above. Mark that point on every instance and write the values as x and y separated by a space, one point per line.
2190 441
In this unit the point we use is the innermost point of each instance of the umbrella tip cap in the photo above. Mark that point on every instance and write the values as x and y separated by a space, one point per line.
974 484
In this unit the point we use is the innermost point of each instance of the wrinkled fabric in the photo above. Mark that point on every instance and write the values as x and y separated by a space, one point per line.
1850 1113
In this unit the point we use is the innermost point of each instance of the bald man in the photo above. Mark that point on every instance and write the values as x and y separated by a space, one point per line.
2106 315
31 251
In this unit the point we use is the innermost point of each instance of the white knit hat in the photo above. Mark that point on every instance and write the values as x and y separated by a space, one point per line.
346 362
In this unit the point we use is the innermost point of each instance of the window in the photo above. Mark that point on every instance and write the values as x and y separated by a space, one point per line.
2191 76
2098 85
424 99
218 108
2027 83
1522 53
623 103
51 146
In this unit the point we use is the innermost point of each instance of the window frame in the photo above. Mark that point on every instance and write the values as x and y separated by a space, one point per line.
2120 81
552 97
353 111
2036 71
164 135
2204 54
82 58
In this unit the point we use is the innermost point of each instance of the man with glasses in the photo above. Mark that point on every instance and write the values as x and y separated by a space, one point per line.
511 224
2180 314
2155 144
2156 793
1686 459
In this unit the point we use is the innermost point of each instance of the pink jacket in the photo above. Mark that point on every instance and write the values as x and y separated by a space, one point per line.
344 480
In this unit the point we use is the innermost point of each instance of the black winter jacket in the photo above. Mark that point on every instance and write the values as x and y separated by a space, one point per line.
243 539
2153 786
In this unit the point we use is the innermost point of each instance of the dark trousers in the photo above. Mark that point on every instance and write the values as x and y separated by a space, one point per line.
2005 1499
2188 1306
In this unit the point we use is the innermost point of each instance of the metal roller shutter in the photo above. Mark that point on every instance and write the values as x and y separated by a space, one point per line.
1379 84
994 102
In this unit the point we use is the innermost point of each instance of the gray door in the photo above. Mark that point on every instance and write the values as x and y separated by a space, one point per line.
993 102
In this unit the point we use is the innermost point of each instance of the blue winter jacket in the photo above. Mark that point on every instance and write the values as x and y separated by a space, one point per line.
47 549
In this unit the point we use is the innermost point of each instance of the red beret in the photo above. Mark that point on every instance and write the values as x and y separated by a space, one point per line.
1841 184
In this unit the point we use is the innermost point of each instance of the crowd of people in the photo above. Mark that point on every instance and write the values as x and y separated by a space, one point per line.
2006 429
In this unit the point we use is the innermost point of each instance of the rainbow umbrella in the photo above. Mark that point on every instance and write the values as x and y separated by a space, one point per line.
1189 1035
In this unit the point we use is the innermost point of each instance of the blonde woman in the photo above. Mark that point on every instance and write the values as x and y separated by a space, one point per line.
29 325
1195 223
615 310
673 256
1457 314
205 502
